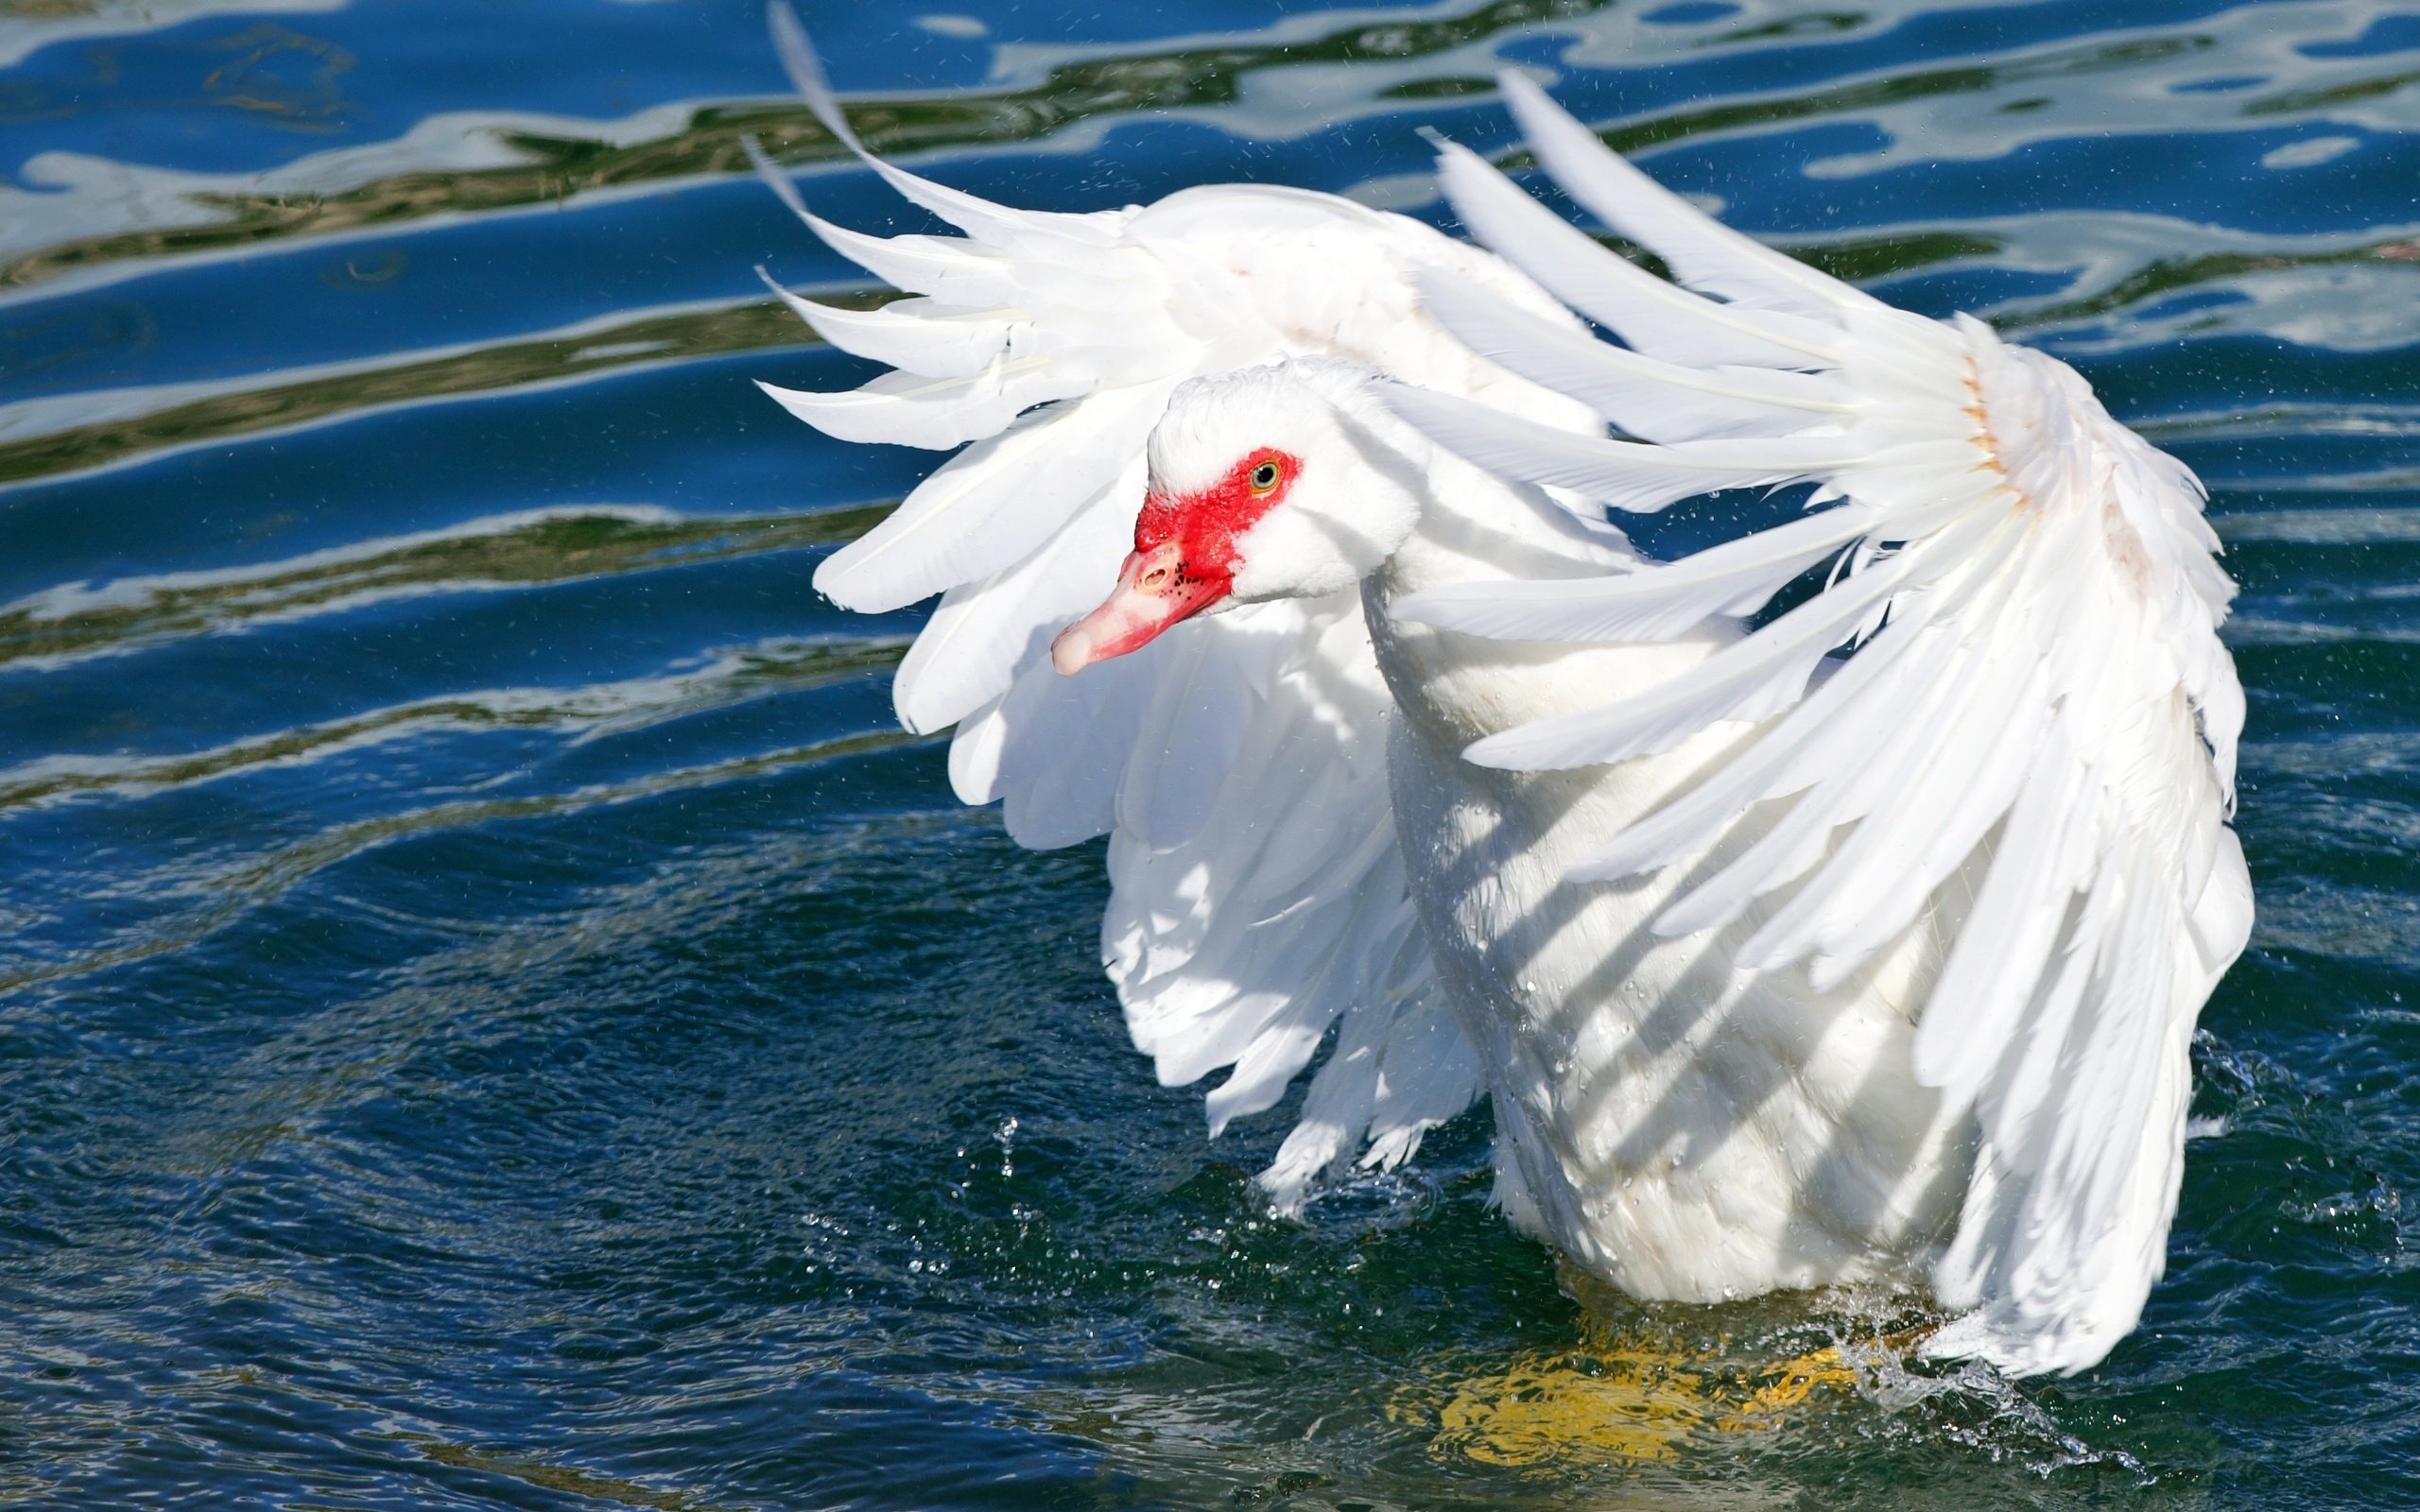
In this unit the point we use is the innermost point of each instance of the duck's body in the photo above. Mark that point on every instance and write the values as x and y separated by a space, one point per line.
1687 1130
1780 969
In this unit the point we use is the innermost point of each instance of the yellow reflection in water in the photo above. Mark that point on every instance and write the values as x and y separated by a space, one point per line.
1623 1404
1633 1393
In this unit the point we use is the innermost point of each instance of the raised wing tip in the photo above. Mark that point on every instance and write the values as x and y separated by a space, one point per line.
1452 154
1534 111
774 178
1519 87
838 578
827 581
805 71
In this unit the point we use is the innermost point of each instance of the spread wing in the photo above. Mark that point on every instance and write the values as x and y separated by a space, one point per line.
2006 718
1239 763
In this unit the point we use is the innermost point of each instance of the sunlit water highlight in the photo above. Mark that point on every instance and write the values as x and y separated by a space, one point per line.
496 1015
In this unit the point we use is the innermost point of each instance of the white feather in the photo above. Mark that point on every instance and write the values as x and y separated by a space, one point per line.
1624 475
1016 231
1648 398
2039 674
937 343
1649 314
994 503
1979 780
1701 252
1257 898
944 268
970 651
1735 577
907 409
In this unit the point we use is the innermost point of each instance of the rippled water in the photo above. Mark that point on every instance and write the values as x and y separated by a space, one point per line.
497 1015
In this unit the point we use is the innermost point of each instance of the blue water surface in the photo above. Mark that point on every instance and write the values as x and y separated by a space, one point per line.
494 1013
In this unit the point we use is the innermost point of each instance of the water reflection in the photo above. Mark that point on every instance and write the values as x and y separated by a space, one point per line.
2151 81
583 712
203 898
551 163
82 432
74 622
496 1012
28 24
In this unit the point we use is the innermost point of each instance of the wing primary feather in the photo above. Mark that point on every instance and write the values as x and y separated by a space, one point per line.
977 217
805 71
1789 759
2021 772
944 268
908 409
1660 400
774 178
1734 577
1702 252
1944 713
1800 838
931 345
1258 892
1999 954
1746 681
1629 475
1650 313
990 504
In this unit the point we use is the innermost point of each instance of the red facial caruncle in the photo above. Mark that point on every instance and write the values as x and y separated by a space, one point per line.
1184 560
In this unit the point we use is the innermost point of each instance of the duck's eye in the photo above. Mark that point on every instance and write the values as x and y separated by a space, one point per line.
1264 477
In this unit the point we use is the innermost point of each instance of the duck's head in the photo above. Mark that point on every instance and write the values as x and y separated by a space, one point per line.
1276 482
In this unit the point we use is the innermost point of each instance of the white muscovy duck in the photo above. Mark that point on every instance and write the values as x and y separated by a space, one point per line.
1861 945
